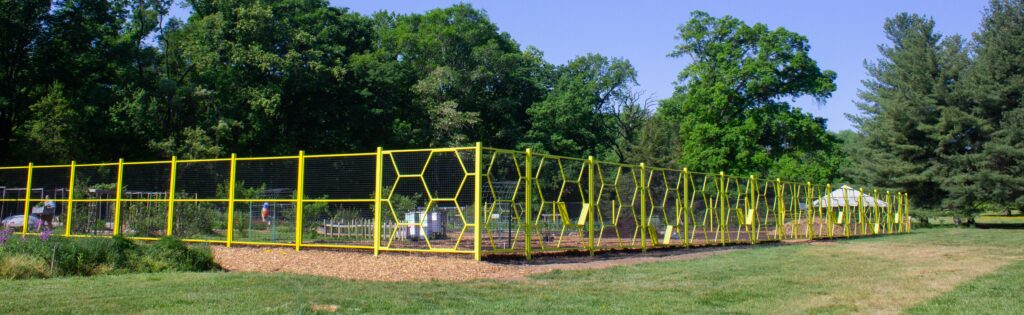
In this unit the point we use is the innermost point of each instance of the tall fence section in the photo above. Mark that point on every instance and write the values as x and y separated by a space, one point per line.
465 200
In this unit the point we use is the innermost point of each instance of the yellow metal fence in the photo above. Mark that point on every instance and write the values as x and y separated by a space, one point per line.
464 200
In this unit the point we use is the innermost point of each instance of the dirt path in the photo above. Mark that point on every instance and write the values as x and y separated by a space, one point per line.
413 267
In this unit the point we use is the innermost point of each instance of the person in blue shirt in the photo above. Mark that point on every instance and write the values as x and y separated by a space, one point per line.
265 213
49 210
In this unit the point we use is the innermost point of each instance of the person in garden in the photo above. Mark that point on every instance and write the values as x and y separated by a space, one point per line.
49 210
265 213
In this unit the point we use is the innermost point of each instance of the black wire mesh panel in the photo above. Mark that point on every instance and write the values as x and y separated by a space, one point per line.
339 200
12 191
329 223
504 189
92 217
53 182
657 209
277 177
94 194
145 189
144 218
146 181
95 182
700 206
340 177
202 180
200 220
12 179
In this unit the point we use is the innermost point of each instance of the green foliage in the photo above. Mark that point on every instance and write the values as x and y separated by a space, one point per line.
938 116
32 257
1004 163
728 102
199 219
21 266
575 119
171 254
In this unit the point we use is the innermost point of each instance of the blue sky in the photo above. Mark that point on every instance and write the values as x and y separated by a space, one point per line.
842 33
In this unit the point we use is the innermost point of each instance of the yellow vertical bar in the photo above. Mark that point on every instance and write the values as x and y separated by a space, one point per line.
829 219
71 201
231 199
529 203
906 212
377 187
860 212
888 212
723 199
751 203
686 207
477 195
876 219
298 199
170 196
593 205
780 208
28 202
643 208
117 197
810 211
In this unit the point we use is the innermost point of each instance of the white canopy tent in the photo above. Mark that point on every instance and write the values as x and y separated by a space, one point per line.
846 196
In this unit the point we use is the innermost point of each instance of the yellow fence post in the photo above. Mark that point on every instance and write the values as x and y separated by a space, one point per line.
477 196
117 197
170 196
810 211
780 209
591 201
377 187
529 203
299 198
888 212
71 201
686 207
28 200
860 212
231 199
906 212
829 217
750 214
643 208
723 200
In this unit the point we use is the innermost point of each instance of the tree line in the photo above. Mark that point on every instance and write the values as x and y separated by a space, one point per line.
942 115
96 80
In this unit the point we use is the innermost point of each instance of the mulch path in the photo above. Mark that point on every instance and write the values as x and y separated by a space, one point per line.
360 265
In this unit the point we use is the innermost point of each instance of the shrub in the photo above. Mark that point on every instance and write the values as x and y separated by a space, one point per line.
94 256
171 254
23 266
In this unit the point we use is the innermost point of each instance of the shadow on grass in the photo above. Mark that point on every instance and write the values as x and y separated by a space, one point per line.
1008 226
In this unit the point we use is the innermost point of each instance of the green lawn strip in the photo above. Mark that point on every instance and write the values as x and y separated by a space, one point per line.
776 279
994 293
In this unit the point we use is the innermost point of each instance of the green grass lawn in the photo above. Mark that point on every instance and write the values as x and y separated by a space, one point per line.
930 271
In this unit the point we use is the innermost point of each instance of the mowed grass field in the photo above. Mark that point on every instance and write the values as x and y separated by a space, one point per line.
945 270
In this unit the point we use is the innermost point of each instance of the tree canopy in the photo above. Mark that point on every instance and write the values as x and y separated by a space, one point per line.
730 100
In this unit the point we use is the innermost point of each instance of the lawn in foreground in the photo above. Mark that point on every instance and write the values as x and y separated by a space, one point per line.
884 274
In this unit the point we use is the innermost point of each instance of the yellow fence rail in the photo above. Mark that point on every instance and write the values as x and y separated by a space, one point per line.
465 200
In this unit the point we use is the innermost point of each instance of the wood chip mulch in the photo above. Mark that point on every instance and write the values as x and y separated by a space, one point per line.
405 267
